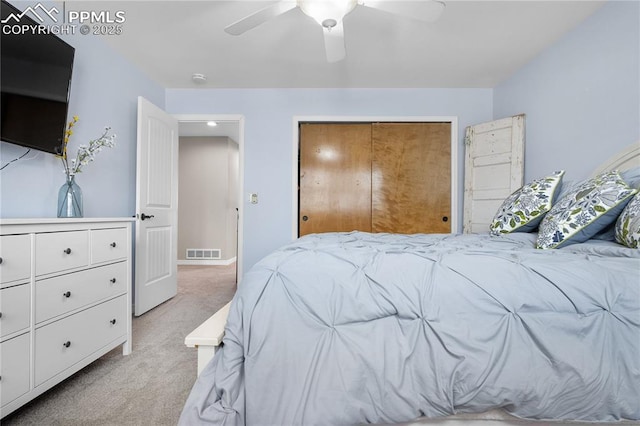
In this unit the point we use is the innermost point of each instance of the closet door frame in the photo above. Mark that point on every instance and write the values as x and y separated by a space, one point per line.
455 167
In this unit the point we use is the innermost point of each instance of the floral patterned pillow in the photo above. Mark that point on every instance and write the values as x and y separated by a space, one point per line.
523 210
588 208
628 224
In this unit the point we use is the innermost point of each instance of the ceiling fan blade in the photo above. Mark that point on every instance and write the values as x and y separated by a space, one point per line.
334 42
260 17
422 10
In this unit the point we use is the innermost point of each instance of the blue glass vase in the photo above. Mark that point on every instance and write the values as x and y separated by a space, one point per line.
70 199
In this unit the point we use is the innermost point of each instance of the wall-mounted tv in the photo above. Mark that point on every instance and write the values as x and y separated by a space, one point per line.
35 79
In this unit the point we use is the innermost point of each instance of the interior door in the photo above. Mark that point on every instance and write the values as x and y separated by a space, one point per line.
411 177
156 271
335 177
494 168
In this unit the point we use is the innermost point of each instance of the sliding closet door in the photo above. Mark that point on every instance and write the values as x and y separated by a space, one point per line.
411 177
335 178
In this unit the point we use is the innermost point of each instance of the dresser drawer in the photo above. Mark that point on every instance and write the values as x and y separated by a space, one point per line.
15 252
14 368
62 344
108 245
15 306
61 251
64 293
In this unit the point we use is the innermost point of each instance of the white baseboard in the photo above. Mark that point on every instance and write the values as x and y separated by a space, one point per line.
222 262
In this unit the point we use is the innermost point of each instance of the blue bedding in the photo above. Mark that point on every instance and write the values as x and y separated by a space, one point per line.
352 328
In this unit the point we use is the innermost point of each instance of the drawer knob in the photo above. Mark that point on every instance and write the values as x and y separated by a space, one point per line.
113 280
113 321
113 244
0 314
67 250
67 294
66 344
0 261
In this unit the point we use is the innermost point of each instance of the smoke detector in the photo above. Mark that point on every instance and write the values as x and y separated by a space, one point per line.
199 78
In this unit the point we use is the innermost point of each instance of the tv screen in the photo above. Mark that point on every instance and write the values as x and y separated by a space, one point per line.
35 79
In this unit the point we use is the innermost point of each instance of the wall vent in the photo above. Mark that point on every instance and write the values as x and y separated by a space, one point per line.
202 254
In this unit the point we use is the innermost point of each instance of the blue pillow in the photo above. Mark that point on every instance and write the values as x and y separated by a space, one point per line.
632 177
587 209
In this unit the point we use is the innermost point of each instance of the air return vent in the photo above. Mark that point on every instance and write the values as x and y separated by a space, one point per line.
202 254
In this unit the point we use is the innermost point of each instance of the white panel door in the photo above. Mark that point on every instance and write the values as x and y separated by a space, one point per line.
156 276
494 168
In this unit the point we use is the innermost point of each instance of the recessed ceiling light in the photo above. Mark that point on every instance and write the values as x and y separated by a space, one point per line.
199 78
212 123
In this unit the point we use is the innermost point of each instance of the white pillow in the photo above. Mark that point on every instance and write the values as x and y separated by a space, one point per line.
523 210
628 224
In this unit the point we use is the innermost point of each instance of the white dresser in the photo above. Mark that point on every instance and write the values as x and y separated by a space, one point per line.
65 300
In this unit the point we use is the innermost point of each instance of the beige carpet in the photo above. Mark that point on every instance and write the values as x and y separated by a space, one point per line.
149 386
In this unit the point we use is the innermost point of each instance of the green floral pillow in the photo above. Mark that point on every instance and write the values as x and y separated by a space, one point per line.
523 210
587 209
628 224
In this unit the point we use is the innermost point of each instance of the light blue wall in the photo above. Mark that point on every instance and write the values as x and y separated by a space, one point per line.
268 141
104 92
581 96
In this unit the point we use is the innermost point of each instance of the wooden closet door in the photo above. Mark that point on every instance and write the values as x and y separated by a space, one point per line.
335 178
411 182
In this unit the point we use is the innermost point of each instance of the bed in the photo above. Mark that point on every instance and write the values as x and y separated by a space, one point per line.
354 328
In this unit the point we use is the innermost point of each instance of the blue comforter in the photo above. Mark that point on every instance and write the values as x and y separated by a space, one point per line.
351 328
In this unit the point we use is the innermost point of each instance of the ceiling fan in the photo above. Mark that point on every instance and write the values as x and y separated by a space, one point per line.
329 14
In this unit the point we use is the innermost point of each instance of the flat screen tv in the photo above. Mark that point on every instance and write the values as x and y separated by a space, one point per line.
36 79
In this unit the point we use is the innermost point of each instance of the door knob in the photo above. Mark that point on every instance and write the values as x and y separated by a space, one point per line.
144 216
305 218
445 219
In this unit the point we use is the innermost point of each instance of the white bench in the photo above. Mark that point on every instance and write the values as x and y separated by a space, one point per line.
208 336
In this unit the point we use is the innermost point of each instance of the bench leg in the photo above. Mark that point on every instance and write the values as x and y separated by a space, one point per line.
205 354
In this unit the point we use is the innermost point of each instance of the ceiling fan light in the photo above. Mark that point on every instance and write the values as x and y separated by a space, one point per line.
327 10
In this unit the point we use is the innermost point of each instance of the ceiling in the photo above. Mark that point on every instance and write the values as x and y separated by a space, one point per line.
199 128
475 44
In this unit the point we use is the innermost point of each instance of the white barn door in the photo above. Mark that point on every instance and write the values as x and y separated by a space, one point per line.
494 168
156 276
